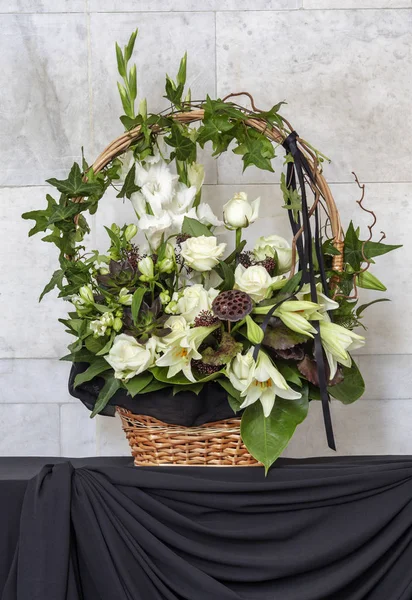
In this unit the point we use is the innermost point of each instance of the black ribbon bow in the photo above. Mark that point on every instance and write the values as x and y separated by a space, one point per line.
296 171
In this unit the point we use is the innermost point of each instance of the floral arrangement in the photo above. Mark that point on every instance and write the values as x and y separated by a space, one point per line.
183 308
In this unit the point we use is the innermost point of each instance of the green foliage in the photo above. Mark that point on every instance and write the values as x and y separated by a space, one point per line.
137 384
129 186
75 186
137 302
267 437
127 90
98 366
111 386
175 89
184 146
194 228
356 251
223 353
351 388
161 375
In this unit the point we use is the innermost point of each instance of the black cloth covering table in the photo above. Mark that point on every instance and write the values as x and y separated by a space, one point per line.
101 529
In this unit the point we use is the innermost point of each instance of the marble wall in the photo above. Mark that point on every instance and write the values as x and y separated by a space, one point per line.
344 68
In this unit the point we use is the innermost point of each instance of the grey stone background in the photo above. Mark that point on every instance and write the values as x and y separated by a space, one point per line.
344 67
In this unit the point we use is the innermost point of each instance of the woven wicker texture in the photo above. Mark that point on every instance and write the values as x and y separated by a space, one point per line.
153 442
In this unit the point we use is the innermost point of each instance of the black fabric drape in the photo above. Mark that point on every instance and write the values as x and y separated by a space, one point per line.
320 529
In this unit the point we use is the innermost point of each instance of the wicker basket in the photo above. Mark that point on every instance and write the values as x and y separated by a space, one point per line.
153 442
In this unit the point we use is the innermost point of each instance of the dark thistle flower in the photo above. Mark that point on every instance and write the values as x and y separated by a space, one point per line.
205 319
204 369
245 259
269 264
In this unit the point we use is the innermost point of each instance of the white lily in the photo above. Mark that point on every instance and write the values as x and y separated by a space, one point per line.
184 349
297 314
264 384
325 303
337 341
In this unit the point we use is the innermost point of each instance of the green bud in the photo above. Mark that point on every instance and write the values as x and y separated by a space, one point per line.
143 108
86 294
104 271
254 332
164 297
130 232
369 282
119 313
117 324
171 308
124 297
115 228
165 266
146 268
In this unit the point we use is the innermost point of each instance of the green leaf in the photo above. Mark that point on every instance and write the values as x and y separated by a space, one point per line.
290 372
258 153
373 249
83 355
196 388
129 186
368 281
225 351
363 307
356 250
292 283
234 403
280 337
351 388
184 147
235 253
161 374
41 217
111 386
267 437
125 100
98 366
57 279
94 345
254 333
74 185
181 75
227 274
108 345
135 385
234 398
154 386
194 228
137 302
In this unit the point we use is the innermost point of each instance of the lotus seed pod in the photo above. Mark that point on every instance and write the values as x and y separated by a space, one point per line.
232 305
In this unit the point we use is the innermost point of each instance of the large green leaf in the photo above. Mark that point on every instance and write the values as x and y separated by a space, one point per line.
106 393
352 386
135 385
137 302
98 366
267 437
129 186
74 185
41 217
194 228
57 279
357 250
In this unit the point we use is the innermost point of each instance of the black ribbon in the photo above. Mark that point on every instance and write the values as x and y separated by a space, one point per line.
296 175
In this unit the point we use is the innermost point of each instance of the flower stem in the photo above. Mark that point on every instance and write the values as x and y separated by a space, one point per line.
238 236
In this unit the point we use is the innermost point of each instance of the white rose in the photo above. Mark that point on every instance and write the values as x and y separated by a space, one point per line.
240 371
196 175
129 358
255 281
238 212
202 253
193 300
274 246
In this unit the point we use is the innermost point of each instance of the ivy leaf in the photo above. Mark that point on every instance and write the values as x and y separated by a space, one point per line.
373 249
130 123
258 152
129 186
136 384
184 148
57 279
194 228
74 185
98 366
267 437
41 217
363 307
356 250
111 386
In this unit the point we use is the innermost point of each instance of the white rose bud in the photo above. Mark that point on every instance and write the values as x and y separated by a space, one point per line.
255 281
277 247
124 297
202 253
130 232
86 294
146 268
196 175
238 212
129 358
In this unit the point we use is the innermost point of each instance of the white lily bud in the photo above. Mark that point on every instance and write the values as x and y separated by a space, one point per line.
196 175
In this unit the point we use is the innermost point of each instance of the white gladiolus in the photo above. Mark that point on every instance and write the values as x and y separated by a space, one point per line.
129 358
193 300
155 228
239 212
274 246
202 253
256 282
337 341
157 185
196 175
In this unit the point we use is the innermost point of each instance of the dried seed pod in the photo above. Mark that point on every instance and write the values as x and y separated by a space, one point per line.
232 305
